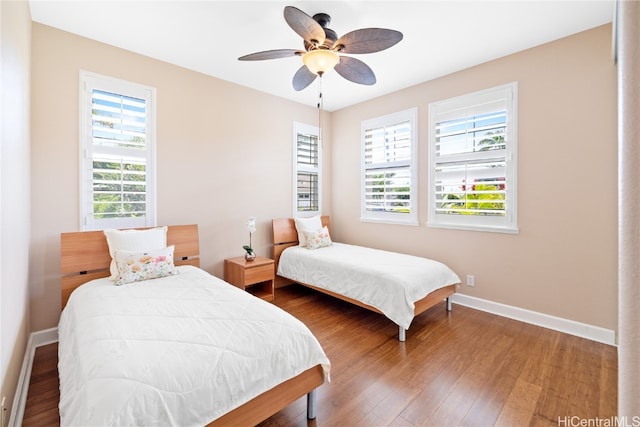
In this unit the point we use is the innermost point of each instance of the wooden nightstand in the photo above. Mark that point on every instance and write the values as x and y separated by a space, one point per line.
255 277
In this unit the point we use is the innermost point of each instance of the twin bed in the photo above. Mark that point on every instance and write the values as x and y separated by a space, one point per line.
184 349
162 342
397 285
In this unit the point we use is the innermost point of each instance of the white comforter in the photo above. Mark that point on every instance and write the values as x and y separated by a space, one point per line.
388 281
180 350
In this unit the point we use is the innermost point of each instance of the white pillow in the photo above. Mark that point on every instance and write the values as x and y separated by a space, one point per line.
313 224
134 240
138 266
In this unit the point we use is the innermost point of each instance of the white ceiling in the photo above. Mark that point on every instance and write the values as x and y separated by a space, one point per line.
440 36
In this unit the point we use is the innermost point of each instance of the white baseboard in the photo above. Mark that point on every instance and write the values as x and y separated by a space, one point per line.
583 330
36 339
48 336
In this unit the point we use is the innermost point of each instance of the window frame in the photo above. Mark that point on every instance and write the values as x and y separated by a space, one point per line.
88 82
305 129
410 218
456 107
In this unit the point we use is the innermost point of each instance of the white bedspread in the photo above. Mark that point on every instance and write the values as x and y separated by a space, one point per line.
180 350
388 281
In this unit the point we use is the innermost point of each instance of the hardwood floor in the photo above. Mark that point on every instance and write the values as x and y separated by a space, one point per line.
44 393
466 368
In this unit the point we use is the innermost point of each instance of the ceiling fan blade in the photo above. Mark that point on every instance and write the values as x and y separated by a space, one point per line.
367 40
355 70
303 78
304 25
271 54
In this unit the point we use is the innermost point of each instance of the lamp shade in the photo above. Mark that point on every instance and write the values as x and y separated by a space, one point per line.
319 61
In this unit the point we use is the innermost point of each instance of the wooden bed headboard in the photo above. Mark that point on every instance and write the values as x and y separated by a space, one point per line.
285 235
84 255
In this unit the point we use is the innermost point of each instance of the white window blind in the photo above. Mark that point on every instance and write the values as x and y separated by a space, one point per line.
117 147
307 170
472 161
389 168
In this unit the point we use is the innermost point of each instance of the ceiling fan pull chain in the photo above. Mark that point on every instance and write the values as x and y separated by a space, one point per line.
320 108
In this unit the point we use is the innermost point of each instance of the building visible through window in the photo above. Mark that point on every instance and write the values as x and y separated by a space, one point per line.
307 170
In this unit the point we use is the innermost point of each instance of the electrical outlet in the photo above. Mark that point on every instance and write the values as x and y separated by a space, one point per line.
5 413
471 280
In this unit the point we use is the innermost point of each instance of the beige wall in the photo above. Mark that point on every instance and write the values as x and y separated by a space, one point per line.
14 194
223 153
564 260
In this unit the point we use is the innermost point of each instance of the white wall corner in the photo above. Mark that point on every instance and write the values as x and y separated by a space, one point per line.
571 327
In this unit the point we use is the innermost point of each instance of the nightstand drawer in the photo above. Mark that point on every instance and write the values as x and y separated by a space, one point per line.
258 274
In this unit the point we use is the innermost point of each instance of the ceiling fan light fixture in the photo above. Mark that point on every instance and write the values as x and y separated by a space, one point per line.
322 47
319 61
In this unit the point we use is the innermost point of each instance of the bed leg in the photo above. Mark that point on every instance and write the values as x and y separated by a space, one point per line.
448 303
311 405
402 334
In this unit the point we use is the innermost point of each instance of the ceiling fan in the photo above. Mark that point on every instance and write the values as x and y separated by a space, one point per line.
323 50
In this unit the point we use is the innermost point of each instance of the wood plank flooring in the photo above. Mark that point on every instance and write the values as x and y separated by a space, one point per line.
464 368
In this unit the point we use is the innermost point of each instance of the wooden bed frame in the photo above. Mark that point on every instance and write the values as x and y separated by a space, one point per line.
286 235
85 256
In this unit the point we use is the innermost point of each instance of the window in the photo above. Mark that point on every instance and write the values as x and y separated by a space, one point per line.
389 168
472 161
117 141
307 166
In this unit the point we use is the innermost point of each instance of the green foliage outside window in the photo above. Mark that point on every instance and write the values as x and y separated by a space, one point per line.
119 189
385 197
484 198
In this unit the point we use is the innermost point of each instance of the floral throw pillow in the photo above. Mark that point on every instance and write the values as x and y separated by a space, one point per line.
138 266
304 225
133 240
318 239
